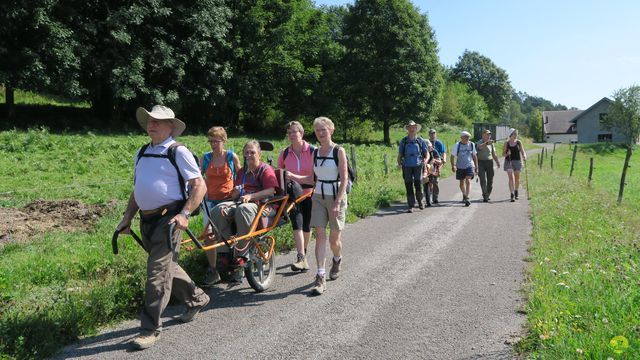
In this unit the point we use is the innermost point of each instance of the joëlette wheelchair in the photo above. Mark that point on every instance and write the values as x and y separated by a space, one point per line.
260 268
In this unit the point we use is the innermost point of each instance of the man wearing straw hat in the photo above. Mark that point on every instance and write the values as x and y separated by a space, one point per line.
160 195
413 153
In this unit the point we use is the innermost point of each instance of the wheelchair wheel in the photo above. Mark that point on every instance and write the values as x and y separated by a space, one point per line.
261 268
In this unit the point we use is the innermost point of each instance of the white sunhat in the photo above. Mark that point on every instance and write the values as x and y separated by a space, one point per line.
465 133
160 112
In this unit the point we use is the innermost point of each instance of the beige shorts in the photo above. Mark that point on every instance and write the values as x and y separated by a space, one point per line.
320 212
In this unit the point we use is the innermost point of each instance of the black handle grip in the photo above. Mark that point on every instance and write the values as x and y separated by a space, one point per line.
114 241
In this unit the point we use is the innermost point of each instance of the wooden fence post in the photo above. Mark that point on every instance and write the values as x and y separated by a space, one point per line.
590 170
554 147
573 159
538 157
386 165
354 167
551 162
541 158
624 173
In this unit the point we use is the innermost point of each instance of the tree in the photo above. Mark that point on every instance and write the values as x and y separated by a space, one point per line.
391 63
624 115
37 51
461 105
535 125
482 75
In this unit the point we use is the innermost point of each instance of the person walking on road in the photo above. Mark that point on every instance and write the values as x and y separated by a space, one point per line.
514 155
413 154
297 159
442 151
464 163
431 170
163 169
329 200
486 157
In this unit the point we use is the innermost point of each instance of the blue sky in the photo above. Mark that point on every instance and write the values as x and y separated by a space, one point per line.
568 51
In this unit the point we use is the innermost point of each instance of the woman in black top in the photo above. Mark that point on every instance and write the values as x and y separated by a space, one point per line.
514 155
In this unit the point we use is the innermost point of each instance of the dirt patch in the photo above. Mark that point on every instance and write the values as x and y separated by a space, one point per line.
43 216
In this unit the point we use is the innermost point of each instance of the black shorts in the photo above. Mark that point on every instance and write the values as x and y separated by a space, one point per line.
301 218
462 174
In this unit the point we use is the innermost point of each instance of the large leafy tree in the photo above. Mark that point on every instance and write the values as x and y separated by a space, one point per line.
141 52
275 68
535 125
461 105
482 75
391 63
37 50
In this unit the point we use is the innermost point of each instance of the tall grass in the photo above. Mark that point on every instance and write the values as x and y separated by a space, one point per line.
584 280
63 285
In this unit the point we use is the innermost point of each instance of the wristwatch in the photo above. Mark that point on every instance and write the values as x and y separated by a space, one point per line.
185 213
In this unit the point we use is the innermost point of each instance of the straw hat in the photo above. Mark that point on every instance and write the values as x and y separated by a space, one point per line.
412 123
160 112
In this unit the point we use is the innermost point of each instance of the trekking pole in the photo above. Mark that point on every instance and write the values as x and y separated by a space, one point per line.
526 178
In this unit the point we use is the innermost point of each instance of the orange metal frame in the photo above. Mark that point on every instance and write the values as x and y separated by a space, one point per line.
253 234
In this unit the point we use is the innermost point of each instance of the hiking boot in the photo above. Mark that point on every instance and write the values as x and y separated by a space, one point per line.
467 202
335 269
192 312
421 206
410 210
485 199
211 278
429 204
319 285
513 198
516 194
145 340
435 200
300 264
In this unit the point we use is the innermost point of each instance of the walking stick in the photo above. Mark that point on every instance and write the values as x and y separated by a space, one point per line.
526 177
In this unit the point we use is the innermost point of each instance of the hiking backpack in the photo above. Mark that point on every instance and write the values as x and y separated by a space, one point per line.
171 156
351 176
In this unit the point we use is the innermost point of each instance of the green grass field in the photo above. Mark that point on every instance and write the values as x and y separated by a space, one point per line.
22 97
584 276
60 285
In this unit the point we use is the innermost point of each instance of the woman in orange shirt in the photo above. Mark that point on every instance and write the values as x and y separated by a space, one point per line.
219 167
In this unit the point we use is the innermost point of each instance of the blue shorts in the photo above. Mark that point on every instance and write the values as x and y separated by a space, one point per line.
462 174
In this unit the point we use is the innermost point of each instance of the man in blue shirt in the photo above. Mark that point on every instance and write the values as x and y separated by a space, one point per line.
413 153
442 151
464 163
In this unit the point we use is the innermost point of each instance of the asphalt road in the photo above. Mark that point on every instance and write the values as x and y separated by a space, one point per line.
441 283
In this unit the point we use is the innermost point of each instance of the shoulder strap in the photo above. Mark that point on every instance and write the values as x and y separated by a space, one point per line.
171 155
206 160
230 163
141 152
285 153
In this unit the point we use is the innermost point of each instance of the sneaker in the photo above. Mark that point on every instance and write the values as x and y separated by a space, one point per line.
335 269
211 278
145 340
516 194
300 264
192 312
512 197
319 285
467 202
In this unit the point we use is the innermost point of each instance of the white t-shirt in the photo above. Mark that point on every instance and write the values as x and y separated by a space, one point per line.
156 180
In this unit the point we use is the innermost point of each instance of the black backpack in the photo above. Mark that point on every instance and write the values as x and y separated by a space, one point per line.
171 156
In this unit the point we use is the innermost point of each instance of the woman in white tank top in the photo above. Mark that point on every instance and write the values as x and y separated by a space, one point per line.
329 200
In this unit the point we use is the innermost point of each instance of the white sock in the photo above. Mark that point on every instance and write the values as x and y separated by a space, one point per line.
337 258
321 272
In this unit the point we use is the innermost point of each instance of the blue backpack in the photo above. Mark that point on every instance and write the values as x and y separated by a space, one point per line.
206 160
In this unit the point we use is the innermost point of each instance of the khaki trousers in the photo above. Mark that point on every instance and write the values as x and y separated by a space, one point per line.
164 275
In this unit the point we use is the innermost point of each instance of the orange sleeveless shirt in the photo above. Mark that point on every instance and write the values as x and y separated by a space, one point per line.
219 181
